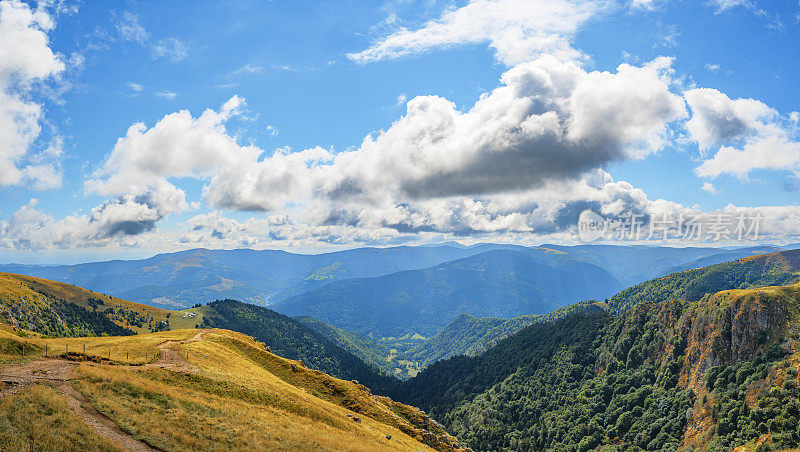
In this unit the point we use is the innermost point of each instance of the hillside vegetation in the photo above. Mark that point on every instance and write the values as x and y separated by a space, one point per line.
710 374
291 339
371 352
229 394
58 309
763 270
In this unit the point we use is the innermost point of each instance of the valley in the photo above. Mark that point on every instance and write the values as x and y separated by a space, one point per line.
701 359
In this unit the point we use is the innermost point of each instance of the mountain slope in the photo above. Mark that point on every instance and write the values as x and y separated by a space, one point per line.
455 338
709 374
369 351
634 264
178 280
497 283
471 336
722 257
754 271
58 309
231 394
291 339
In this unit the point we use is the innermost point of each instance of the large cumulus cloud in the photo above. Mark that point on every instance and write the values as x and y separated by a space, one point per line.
548 120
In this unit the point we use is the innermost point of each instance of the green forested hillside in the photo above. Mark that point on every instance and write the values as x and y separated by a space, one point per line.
709 374
471 336
454 339
369 351
291 339
763 270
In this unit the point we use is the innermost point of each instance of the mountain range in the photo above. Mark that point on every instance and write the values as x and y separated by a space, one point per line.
181 279
700 359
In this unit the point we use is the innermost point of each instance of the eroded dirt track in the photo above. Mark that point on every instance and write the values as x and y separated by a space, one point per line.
60 373
172 358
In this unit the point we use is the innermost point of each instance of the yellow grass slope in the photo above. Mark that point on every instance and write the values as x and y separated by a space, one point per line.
23 297
230 394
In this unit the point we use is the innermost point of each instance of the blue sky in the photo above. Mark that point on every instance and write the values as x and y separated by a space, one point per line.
708 100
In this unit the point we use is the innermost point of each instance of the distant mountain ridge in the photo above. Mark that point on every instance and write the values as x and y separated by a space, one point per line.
499 283
181 279
178 280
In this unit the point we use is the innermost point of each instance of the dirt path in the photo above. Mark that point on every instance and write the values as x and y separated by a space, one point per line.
101 424
172 358
17 377
60 372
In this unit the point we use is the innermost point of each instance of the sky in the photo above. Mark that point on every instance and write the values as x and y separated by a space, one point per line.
133 128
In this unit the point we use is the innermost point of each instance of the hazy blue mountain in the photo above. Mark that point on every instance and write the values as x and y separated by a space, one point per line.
499 283
634 264
184 278
263 277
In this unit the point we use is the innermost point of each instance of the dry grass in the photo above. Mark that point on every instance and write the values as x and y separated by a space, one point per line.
38 419
232 403
137 349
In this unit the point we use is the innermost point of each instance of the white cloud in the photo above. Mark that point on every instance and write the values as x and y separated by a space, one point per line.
25 61
135 87
517 30
248 68
716 118
523 158
724 5
668 38
169 95
130 29
745 134
143 161
31 229
548 120
709 187
712 67
644 4
402 99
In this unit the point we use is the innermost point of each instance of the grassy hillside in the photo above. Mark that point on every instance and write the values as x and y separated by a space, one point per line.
58 309
762 270
499 283
230 394
291 339
715 373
